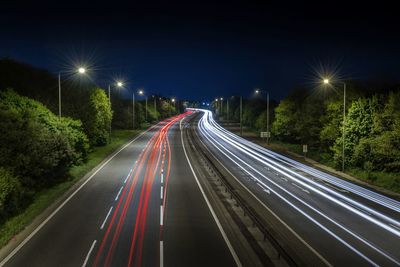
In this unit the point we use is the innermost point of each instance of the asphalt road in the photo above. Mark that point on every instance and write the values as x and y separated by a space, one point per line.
143 208
340 223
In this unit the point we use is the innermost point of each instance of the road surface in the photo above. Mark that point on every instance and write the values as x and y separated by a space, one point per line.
142 208
341 223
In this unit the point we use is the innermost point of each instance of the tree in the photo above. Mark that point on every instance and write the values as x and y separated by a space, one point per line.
98 118
282 127
359 124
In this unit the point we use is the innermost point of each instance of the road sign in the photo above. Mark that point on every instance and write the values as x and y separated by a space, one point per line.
265 134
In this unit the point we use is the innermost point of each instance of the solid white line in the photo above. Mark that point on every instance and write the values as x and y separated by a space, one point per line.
228 243
161 253
119 192
161 215
88 255
105 220
29 237
301 188
161 192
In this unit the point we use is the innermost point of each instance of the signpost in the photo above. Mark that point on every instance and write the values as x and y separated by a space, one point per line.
305 150
265 135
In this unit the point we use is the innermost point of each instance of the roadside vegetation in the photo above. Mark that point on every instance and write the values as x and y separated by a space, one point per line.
315 118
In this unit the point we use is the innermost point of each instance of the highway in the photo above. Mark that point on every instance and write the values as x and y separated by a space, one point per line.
142 207
337 222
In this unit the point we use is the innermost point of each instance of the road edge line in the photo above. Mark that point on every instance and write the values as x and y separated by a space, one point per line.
224 236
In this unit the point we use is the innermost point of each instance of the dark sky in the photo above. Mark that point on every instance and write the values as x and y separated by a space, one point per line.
199 49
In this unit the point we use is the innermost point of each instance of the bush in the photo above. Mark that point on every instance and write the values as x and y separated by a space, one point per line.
10 194
35 144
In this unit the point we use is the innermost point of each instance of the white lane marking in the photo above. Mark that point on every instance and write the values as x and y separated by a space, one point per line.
162 178
88 255
161 215
29 237
398 228
336 188
126 179
301 188
161 253
161 192
119 192
264 189
105 220
225 237
132 169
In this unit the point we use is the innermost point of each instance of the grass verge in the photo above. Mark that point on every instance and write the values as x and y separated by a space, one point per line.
46 197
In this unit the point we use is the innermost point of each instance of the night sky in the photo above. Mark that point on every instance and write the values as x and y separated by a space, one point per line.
199 50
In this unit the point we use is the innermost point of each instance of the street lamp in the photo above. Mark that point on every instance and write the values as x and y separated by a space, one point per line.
141 92
80 70
327 82
173 101
155 106
118 84
258 91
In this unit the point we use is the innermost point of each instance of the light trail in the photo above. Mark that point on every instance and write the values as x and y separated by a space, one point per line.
230 144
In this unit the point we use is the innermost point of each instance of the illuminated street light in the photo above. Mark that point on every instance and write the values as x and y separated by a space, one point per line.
141 92
120 84
258 91
81 70
327 82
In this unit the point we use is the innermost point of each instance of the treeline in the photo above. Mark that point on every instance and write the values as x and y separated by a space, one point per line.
314 117
37 148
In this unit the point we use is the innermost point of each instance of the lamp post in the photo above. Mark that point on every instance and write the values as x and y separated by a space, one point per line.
227 109
141 92
241 116
173 101
155 107
221 104
119 85
80 70
258 91
327 82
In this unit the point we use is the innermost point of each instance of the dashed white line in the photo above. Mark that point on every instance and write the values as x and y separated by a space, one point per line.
105 220
263 188
119 192
126 179
162 177
161 253
161 215
301 188
336 188
398 228
88 255
161 192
